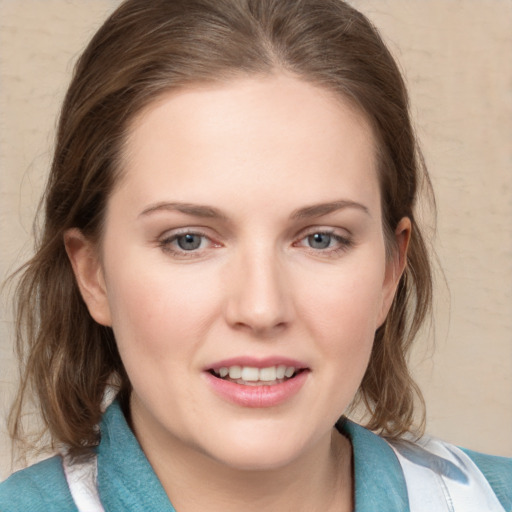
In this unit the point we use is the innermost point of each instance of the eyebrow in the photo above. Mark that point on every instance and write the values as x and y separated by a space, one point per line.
318 210
196 210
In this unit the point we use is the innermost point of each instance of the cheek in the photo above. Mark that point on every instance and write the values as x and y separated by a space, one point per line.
347 300
342 313
153 311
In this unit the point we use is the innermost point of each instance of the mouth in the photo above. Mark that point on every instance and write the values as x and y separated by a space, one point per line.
257 383
252 376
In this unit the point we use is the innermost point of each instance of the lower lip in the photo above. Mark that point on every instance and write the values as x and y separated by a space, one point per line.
257 396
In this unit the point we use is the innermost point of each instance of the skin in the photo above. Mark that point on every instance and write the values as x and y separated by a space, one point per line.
256 151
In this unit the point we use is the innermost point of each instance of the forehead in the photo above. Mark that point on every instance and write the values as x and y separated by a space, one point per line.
256 132
263 100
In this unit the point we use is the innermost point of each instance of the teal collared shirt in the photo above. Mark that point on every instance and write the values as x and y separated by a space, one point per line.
127 482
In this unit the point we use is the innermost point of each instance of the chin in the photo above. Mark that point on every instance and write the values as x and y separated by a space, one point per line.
257 461
260 451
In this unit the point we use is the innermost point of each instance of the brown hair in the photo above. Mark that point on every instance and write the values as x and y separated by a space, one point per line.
142 51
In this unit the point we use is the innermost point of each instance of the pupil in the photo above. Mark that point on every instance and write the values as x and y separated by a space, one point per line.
189 242
319 240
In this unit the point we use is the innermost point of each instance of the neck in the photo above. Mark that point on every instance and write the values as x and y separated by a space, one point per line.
319 479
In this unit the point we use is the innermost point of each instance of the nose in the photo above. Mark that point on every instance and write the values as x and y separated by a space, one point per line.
259 297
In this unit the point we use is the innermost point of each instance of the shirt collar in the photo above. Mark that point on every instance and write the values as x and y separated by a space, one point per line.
379 480
126 480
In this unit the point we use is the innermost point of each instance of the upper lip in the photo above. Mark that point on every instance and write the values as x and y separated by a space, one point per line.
255 362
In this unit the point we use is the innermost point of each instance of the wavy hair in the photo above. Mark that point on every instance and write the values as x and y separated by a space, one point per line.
146 49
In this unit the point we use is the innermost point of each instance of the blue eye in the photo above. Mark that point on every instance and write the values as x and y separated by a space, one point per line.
185 244
320 240
325 243
189 242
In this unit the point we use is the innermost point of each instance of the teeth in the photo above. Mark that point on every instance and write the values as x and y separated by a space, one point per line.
268 374
235 372
280 371
289 372
251 374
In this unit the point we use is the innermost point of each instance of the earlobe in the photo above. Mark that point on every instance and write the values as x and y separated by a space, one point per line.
395 266
84 258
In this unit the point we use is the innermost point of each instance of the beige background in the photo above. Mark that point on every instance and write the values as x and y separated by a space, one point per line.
457 57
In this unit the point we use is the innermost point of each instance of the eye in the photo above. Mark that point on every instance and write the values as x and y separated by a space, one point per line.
189 242
324 242
320 240
186 244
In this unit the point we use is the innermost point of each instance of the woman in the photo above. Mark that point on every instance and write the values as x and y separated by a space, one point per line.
230 244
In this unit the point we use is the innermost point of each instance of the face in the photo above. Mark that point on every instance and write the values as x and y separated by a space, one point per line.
243 268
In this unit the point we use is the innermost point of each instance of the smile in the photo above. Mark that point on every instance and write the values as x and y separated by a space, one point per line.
252 376
249 382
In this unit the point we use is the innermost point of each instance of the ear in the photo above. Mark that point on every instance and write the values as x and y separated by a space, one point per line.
395 266
84 258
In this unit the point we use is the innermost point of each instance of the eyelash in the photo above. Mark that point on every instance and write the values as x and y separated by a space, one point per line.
343 243
166 244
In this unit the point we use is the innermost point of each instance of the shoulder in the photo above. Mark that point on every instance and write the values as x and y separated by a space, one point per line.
426 474
42 486
498 472
467 477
